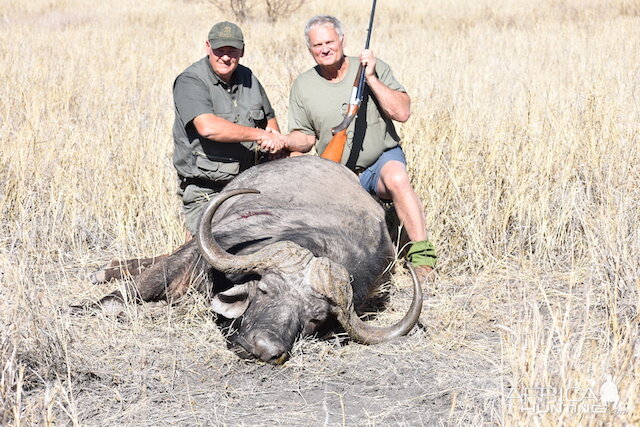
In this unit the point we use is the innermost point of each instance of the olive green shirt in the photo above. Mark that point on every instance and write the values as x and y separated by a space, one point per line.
199 90
316 105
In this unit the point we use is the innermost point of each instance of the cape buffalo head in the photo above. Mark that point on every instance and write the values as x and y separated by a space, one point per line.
296 295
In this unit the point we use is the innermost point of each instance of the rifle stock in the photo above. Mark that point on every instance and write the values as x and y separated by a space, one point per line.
335 148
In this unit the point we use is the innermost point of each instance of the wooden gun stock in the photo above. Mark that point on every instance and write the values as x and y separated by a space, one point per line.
335 147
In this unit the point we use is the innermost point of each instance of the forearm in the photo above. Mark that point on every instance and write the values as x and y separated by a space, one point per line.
273 124
395 105
298 141
218 129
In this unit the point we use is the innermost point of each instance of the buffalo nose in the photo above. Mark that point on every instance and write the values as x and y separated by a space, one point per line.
268 347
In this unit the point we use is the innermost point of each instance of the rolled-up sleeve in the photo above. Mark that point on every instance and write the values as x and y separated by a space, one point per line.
191 98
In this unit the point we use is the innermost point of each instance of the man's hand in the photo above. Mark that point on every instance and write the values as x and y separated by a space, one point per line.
368 60
394 104
271 141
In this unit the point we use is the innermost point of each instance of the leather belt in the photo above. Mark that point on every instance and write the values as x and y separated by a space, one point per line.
201 182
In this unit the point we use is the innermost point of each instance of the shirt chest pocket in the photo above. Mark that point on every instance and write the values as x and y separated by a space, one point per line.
256 118
253 117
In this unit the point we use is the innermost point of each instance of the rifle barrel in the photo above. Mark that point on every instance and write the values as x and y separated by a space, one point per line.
373 11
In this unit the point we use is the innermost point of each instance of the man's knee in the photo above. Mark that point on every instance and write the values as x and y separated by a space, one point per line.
194 201
192 214
395 178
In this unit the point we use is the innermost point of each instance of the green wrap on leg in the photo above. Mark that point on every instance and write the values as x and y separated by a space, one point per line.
422 253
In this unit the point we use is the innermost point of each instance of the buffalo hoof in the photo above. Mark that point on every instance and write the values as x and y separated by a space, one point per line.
83 310
107 273
426 275
111 305
97 277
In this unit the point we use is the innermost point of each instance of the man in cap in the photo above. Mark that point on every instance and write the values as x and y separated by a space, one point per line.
318 102
223 120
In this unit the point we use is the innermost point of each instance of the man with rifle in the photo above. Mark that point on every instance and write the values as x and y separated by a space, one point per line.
320 99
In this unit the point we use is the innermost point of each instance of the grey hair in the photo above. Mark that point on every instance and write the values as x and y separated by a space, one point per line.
320 20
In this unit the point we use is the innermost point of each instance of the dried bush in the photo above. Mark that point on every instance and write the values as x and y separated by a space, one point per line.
281 8
244 9
241 9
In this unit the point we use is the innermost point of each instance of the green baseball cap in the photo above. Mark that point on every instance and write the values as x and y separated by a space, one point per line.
226 34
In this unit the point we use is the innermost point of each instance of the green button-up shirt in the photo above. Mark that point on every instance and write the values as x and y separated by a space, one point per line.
199 90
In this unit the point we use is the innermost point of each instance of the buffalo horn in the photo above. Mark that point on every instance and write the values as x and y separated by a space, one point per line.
337 288
280 254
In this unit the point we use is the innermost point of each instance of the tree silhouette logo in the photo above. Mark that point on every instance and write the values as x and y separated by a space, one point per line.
609 392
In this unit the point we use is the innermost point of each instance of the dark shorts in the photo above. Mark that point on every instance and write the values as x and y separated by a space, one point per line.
370 176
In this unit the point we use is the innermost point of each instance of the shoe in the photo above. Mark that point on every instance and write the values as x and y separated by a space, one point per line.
426 274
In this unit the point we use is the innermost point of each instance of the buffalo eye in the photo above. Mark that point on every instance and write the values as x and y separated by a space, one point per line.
262 288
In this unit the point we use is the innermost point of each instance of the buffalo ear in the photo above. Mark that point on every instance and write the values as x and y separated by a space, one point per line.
233 302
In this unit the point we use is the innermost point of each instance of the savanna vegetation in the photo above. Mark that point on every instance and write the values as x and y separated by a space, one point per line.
524 144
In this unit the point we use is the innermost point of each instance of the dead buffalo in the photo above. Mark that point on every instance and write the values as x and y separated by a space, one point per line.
286 249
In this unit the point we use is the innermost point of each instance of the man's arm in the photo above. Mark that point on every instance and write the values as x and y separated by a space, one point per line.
194 105
298 141
395 105
215 128
301 137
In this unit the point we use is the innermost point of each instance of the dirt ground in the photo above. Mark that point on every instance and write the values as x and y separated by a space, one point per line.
386 384
168 365
158 364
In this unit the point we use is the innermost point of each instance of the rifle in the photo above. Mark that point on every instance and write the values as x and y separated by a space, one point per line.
335 148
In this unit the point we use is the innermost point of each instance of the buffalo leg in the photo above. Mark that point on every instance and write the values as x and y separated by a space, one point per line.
168 278
171 276
121 269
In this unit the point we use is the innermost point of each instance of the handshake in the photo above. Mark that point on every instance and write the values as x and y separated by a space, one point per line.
271 141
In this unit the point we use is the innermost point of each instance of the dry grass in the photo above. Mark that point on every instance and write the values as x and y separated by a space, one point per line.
524 145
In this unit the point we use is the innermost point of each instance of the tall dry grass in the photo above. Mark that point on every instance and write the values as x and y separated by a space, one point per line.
523 144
